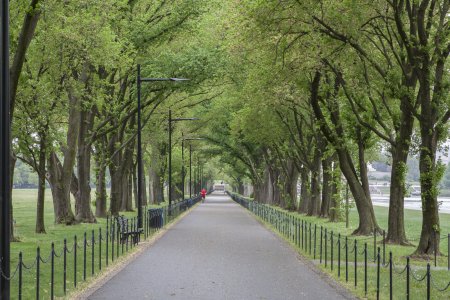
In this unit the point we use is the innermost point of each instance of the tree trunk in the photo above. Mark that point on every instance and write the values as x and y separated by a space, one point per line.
364 178
61 175
430 233
327 186
60 192
367 221
100 192
116 188
290 185
130 191
74 190
259 191
314 209
127 186
429 175
276 197
305 191
156 187
396 224
240 186
151 193
115 174
26 35
40 224
263 187
335 209
267 187
83 207
100 178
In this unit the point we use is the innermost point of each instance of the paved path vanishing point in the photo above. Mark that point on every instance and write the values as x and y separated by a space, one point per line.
218 251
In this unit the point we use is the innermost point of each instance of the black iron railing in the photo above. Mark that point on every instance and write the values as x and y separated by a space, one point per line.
99 248
321 244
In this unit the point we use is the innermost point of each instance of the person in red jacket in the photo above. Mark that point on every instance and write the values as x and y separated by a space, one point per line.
203 192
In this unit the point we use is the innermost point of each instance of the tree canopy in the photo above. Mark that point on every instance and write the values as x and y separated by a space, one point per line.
289 94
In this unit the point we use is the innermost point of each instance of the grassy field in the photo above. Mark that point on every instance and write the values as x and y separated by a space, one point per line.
413 220
24 202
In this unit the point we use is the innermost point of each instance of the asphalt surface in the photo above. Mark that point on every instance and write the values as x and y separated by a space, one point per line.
218 251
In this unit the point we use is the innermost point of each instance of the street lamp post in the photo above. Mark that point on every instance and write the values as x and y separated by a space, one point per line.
190 163
201 177
190 171
170 154
5 175
182 168
198 175
139 136
194 182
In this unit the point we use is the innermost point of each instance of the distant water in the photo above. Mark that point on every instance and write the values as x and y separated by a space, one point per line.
412 203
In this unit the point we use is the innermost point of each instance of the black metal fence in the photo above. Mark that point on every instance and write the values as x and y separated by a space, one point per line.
342 253
80 258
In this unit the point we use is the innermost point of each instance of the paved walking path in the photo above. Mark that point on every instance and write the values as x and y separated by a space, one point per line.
218 251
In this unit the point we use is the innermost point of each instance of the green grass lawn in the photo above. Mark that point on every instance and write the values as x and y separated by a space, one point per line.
24 202
413 221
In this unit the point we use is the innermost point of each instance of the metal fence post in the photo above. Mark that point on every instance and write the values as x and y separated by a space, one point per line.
107 239
332 247
384 247
374 245
390 275
378 273
92 252
84 256
320 250
326 242
304 236
302 233
365 269
292 229
118 239
113 235
52 274
346 259
310 238
20 274
100 249
428 282
339 255
38 258
355 248
65 267
315 234
407 278
75 261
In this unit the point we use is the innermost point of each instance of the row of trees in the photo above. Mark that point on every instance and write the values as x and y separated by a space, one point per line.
308 90
323 87
73 90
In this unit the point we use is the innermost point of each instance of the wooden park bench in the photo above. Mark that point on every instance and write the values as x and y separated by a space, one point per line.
126 230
